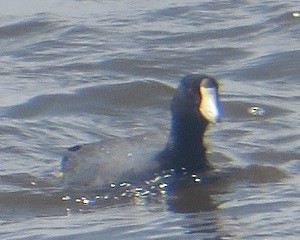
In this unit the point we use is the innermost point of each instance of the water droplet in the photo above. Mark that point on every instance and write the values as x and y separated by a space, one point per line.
256 111
198 180
123 184
156 179
137 194
145 193
162 185
66 198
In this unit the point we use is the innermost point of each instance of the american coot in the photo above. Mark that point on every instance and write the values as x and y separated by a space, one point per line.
195 104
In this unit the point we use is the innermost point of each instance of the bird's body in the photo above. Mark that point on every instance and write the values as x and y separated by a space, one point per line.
194 105
110 161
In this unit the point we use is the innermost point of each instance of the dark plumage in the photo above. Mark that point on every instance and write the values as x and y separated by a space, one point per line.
194 105
185 148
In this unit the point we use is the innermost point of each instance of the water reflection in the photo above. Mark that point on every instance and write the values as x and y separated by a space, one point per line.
189 197
185 204
199 202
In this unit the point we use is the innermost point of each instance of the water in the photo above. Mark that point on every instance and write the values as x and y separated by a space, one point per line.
77 72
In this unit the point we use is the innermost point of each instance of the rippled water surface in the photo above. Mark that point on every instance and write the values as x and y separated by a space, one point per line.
74 72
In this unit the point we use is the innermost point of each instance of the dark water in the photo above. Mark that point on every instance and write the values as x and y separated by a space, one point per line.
77 72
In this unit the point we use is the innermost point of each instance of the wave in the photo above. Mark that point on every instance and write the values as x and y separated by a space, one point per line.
105 99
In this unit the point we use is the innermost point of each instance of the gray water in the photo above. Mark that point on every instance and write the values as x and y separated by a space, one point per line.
74 72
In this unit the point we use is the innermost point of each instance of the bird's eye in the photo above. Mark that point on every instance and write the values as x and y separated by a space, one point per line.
192 92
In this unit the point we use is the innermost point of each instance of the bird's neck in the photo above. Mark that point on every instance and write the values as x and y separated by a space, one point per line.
186 142
187 132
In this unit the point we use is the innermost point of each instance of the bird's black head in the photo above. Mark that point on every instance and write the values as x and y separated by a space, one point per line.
195 104
197 96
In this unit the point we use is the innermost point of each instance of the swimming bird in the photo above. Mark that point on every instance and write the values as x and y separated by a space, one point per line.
195 104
